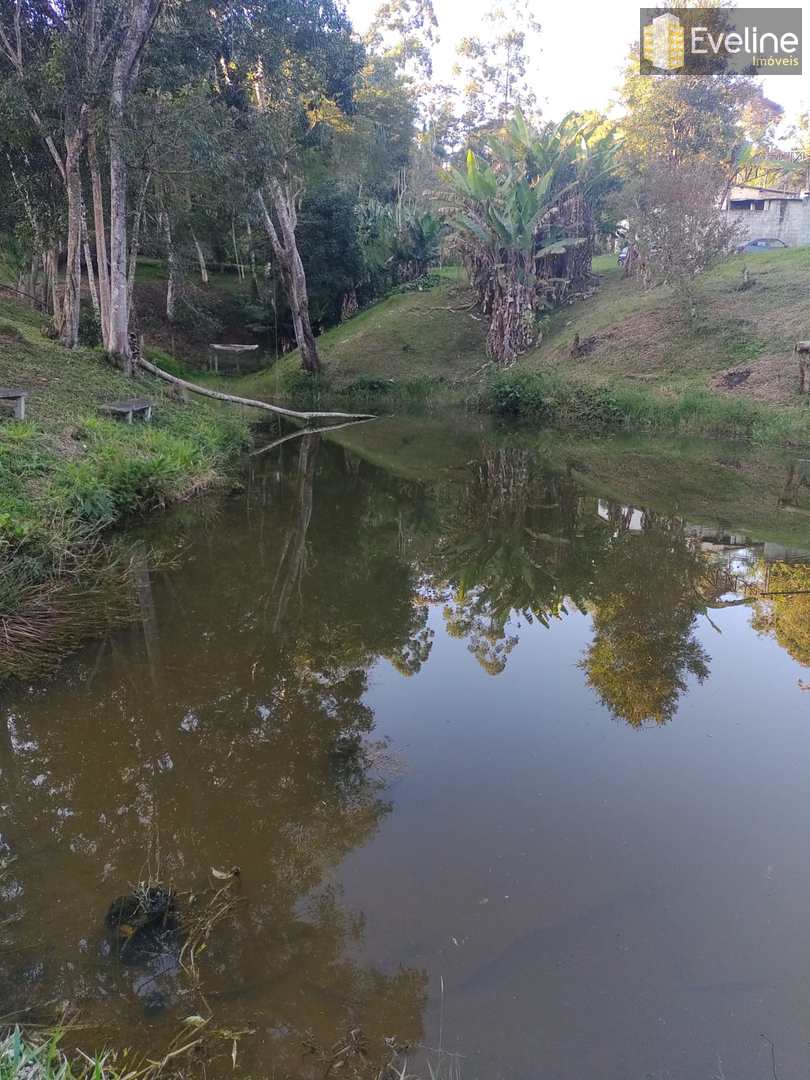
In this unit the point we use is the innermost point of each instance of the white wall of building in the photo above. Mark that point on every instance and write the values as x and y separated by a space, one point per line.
786 220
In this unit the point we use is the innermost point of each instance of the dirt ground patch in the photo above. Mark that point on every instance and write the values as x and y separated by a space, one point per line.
772 379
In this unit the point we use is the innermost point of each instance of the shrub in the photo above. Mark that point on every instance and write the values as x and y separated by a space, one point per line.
89 328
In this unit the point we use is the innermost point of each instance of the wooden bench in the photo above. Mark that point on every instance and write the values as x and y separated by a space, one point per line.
14 398
129 409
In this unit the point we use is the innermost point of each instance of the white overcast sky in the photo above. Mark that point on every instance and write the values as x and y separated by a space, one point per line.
583 46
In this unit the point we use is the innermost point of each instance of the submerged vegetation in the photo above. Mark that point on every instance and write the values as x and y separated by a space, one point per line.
31 1058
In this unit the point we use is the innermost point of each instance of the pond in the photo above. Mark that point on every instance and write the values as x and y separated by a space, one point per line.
507 735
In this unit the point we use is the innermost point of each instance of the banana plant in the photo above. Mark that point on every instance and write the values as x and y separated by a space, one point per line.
513 210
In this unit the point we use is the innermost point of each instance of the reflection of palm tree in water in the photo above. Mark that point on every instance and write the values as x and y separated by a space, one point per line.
516 543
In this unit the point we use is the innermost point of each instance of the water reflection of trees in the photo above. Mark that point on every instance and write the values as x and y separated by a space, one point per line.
644 601
519 544
783 608
244 738
234 727
514 543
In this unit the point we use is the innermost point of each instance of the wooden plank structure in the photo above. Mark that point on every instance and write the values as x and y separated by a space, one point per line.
14 398
236 350
129 409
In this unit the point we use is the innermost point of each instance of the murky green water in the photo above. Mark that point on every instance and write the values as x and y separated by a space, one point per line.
508 738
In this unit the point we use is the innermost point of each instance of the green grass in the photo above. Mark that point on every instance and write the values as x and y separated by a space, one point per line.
646 365
67 473
644 338
555 400
154 271
26 1058
410 351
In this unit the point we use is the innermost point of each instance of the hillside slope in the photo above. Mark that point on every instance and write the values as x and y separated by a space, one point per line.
739 350
424 343
644 338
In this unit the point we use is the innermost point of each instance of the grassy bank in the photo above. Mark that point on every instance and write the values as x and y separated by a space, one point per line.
417 349
24 1058
642 363
67 474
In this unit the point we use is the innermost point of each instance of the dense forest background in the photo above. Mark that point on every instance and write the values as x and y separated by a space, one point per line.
319 170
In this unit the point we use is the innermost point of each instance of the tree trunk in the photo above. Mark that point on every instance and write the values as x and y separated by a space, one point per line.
32 289
804 374
136 240
51 260
141 18
511 327
285 249
71 305
88 262
253 274
217 395
171 260
239 268
200 259
100 229
118 330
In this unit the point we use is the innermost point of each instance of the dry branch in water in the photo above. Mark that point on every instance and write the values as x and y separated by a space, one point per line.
309 431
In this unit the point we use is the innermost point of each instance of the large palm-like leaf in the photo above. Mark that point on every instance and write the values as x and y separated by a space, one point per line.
519 209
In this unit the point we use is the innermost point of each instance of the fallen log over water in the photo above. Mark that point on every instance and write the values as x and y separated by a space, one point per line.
251 402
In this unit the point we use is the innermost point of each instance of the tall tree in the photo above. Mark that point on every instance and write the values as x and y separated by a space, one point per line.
141 17
71 59
291 69
689 115
405 31
493 66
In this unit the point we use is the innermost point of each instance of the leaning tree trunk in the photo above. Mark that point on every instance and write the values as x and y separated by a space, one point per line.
200 258
286 251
